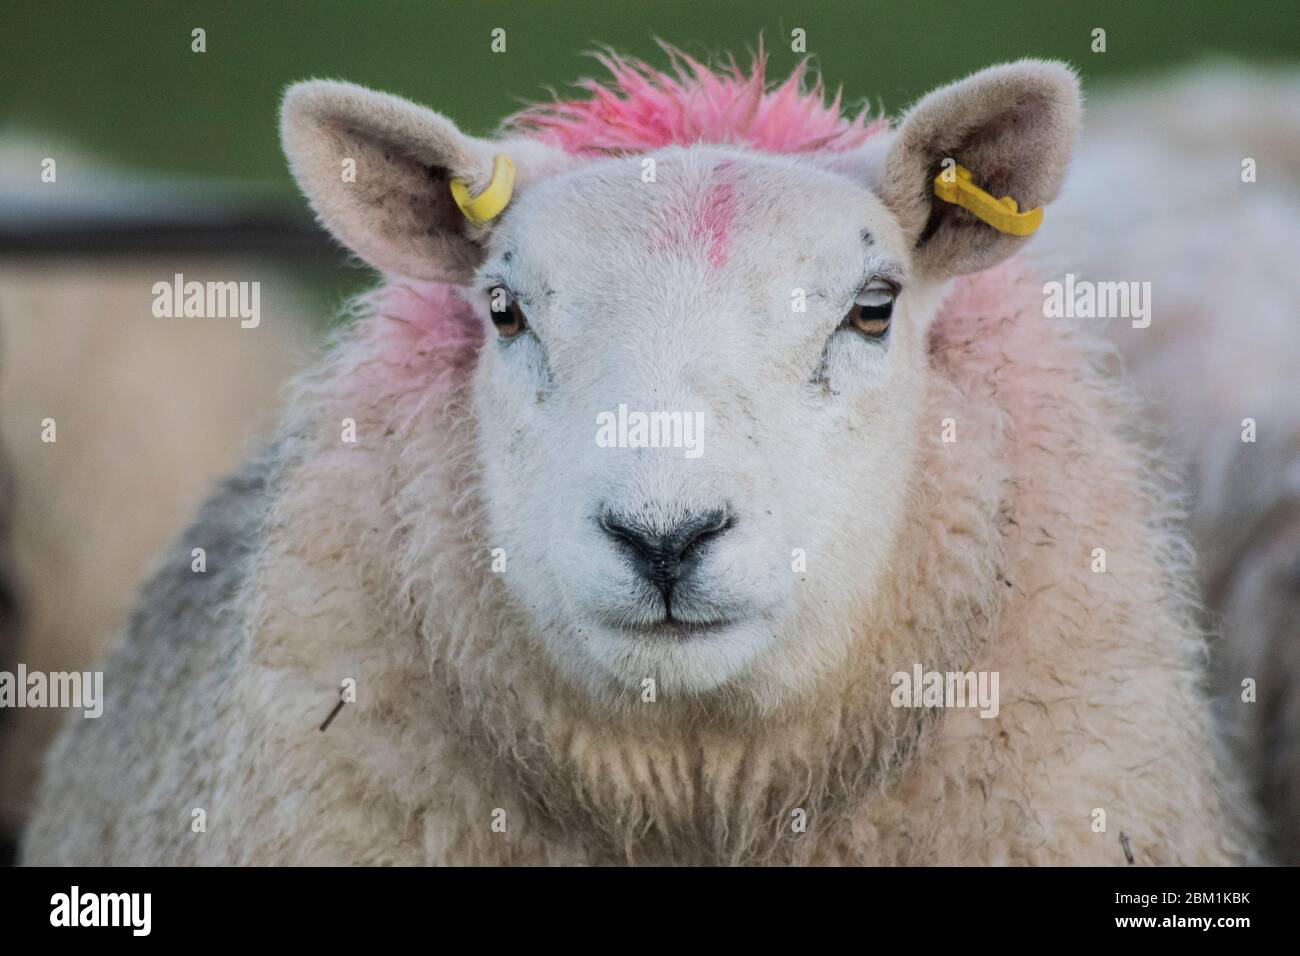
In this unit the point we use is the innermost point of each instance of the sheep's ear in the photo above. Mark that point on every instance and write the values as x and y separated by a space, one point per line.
377 170
1012 126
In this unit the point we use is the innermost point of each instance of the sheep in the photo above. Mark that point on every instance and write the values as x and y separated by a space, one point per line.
1218 362
442 625
147 414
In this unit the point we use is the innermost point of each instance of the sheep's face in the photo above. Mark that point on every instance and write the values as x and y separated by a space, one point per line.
697 409
698 405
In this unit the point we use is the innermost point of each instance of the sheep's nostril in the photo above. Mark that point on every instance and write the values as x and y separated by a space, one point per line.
712 525
662 554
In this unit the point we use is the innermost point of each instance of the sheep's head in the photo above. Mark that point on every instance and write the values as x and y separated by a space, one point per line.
761 318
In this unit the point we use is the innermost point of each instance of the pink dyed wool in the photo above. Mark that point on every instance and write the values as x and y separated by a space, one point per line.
644 109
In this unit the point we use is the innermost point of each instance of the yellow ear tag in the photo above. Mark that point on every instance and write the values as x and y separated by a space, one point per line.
1002 214
487 205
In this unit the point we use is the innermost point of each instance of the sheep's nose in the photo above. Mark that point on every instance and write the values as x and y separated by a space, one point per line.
663 556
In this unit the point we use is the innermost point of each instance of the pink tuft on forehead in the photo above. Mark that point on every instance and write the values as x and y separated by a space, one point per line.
642 109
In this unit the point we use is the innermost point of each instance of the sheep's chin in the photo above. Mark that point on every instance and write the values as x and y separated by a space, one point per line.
680 660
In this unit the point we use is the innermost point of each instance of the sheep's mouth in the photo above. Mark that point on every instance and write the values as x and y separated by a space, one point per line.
675 629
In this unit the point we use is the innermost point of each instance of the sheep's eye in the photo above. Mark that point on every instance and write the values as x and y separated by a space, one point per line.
872 309
507 314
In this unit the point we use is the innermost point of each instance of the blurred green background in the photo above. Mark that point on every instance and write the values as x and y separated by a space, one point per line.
119 77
